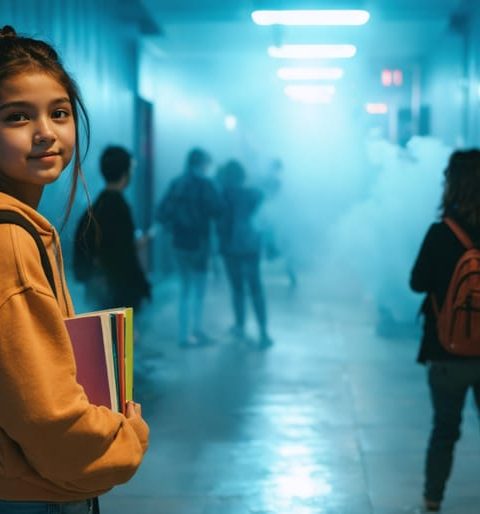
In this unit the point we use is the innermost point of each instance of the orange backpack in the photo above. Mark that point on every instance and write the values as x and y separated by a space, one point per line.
458 321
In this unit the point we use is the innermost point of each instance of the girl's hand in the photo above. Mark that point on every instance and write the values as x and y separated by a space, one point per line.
133 410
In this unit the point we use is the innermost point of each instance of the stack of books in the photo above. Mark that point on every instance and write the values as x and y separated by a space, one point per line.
103 347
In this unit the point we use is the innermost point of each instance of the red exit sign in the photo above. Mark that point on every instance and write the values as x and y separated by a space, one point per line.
392 78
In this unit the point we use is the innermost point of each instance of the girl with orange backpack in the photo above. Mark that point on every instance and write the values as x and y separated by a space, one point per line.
447 269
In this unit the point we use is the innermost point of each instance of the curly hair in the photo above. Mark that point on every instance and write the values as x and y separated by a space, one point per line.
461 193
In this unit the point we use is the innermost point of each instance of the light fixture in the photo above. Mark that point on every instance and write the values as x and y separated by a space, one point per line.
312 51
230 122
311 17
376 108
310 73
310 94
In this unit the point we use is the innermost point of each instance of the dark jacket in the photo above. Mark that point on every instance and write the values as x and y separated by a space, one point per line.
187 209
236 231
110 240
431 274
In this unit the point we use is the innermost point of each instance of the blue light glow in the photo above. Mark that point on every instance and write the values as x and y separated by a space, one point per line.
230 122
310 73
310 94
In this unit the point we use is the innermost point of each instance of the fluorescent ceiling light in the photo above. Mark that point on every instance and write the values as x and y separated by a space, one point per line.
312 51
310 94
310 73
379 108
311 17
230 122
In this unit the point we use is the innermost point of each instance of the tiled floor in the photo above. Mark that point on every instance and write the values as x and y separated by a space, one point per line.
333 419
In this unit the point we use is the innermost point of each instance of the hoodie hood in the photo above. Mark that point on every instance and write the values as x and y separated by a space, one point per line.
10 203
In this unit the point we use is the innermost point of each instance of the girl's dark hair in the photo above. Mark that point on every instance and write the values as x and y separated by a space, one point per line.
461 194
19 54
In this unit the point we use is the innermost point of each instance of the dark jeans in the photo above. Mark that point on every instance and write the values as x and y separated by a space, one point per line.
244 273
20 507
449 383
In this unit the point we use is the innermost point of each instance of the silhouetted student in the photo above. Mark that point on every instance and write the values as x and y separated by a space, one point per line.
240 245
58 451
105 256
187 210
452 370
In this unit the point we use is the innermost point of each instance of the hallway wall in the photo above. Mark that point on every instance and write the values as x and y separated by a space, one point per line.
473 67
445 91
452 83
188 113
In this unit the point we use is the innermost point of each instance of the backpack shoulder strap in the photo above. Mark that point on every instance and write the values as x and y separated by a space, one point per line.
461 235
14 218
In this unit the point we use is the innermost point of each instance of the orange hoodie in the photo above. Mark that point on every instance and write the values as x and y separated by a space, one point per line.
54 445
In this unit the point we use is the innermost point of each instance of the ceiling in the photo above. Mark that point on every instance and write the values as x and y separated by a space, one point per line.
217 39
167 11
397 28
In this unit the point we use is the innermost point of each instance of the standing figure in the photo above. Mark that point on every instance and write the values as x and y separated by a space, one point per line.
187 211
240 245
58 452
105 256
451 372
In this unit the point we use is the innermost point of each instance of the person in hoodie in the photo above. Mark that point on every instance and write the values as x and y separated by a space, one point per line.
105 249
187 211
58 451
240 244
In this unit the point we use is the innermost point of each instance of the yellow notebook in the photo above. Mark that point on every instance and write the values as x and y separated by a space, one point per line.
129 354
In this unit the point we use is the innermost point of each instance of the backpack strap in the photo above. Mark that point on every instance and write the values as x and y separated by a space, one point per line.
462 236
436 310
14 218
466 241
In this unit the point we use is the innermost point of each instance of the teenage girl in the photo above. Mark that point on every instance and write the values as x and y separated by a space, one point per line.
450 376
58 452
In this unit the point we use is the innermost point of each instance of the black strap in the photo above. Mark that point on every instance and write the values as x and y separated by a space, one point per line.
14 218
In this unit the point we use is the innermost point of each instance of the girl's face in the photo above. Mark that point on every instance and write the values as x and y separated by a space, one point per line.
37 130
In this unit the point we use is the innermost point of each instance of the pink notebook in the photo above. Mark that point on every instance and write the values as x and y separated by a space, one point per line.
87 341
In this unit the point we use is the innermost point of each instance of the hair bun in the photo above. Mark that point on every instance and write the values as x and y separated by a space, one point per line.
7 31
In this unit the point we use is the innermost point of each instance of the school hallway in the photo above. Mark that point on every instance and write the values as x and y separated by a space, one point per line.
333 419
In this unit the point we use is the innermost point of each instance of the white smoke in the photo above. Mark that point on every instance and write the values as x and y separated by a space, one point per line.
373 246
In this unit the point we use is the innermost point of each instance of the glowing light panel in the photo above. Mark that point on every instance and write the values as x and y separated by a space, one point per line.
312 51
311 17
310 73
376 108
230 123
310 94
